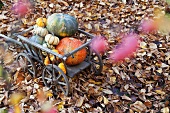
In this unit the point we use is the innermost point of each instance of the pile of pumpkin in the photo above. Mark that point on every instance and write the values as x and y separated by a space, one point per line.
56 33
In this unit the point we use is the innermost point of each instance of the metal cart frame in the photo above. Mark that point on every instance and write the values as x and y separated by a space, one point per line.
52 76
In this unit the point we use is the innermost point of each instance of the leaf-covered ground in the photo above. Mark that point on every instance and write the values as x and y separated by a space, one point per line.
139 84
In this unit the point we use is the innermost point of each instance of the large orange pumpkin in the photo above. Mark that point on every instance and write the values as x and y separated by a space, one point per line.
68 44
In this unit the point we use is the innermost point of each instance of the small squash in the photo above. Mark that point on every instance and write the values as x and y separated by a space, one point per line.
46 61
50 58
62 67
41 22
46 45
62 25
51 39
40 31
67 45
37 39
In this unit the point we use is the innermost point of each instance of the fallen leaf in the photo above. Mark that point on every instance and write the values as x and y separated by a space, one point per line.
160 92
80 101
165 110
105 100
15 98
126 98
148 103
17 109
107 91
138 106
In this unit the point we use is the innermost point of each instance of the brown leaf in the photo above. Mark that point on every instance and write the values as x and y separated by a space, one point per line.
126 98
107 91
148 104
8 58
79 101
138 106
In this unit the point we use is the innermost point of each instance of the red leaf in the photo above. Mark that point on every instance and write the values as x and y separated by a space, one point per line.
99 44
126 49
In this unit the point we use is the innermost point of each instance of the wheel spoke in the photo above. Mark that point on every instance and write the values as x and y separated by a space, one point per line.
49 79
94 68
62 83
30 71
29 65
58 77
53 72
96 62
54 78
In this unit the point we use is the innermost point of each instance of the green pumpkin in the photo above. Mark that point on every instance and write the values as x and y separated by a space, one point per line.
62 25
37 39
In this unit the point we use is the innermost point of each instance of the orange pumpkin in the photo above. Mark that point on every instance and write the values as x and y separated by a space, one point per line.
67 45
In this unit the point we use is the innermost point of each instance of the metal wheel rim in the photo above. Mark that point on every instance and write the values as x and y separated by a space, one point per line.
28 64
55 75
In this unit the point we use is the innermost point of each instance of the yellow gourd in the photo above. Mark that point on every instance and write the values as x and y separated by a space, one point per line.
62 67
51 39
41 22
51 57
46 61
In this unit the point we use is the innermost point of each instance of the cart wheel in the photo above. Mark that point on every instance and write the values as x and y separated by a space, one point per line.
54 78
26 64
96 63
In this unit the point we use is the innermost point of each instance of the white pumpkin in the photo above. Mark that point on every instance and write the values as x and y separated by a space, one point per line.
40 31
51 39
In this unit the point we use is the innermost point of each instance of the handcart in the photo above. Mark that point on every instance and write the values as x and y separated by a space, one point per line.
52 76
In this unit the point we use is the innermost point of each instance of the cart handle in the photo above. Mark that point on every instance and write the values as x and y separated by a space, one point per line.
39 46
10 39
24 31
86 33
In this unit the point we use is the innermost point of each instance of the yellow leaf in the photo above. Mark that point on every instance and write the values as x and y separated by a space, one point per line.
15 98
17 109
94 82
160 92
106 101
49 94
113 79
60 106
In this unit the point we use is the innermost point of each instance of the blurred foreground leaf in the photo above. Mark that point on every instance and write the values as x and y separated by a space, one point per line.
1 4
3 110
168 1
15 98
